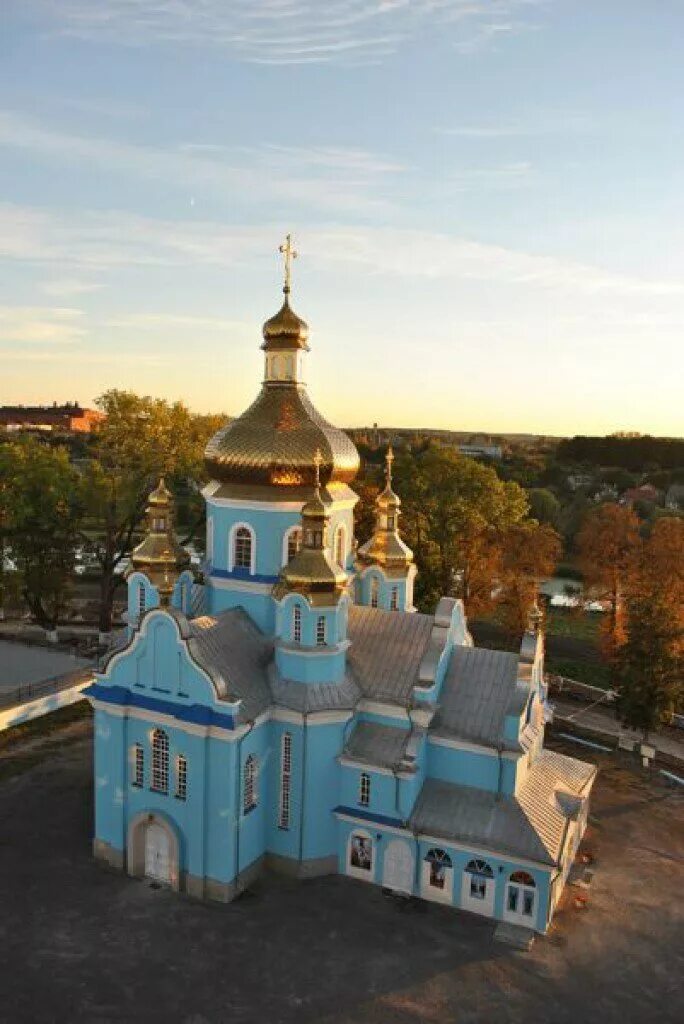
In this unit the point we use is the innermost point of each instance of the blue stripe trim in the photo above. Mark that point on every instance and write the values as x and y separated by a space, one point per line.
376 819
242 574
197 714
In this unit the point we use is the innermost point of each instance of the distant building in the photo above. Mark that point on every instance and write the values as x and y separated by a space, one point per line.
646 493
489 451
69 418
674 498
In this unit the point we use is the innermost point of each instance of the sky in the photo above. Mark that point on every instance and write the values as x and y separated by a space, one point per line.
487 199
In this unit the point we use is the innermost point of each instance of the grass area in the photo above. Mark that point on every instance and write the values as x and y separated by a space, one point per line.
580 625
45 726
595 673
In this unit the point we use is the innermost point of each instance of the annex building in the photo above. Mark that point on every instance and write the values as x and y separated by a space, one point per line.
291 710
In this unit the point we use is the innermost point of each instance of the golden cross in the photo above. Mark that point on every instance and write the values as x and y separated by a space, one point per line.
318 460
289 254
389 459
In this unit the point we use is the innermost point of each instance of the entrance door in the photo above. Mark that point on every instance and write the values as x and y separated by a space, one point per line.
157 854
397 871
521 900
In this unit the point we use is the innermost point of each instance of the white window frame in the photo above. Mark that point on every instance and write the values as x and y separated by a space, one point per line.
321 631
394 599
374 592
181 777
364 789
287 536
297 624
159 781
285 781
142 600
431 891
340 547
250 789
367 873
232 539
138 766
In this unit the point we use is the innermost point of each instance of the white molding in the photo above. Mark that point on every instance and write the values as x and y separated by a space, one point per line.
231 546
169 722
363 823
473 748
312 652
348 762
376 707
286 540
270 506
311 717
485 851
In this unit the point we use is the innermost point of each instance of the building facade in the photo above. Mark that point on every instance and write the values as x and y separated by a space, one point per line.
293 711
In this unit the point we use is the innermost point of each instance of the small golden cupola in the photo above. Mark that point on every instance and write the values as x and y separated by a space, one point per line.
385 547
312 572
159 556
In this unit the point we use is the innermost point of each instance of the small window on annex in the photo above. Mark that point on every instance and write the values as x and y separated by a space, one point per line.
394 599
364 789
320 631
374 591
242 548
250 799
181 778
294 542
160 761
480 872
297 624
440 863
138 765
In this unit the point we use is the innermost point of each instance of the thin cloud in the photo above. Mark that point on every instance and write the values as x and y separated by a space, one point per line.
287 31
38 325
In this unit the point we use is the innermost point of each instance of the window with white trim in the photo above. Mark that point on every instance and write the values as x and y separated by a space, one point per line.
440 864
242 548
340 545
320 631
160 761
480 873
297 624
374 591
250 795
360 852
285 780
364 789
394 599
141 599
181 777
294 542
138 765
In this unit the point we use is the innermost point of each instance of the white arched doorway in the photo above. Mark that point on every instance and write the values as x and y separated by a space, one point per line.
157 854
397 867
153 850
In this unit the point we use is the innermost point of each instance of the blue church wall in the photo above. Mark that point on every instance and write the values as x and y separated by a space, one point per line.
182 592
253 823
384 790
328 666
464 767
402 721
137 584
322 789
285 842
335 620
110 778
258 604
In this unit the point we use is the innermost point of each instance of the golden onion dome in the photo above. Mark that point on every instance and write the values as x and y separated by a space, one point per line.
285 331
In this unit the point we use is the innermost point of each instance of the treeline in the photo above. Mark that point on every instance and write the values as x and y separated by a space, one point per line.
631 453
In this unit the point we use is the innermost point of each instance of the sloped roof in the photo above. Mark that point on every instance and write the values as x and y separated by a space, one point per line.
386 651
235 654
307 697
531 824
478 689
380 745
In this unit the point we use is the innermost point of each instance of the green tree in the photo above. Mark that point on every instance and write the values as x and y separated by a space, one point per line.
140 439
456 512
544 506
42 506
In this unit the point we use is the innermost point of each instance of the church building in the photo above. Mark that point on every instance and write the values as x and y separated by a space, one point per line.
289 709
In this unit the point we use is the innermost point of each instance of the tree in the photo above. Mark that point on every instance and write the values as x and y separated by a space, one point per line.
140 439
42 509
455 513
650 663
608 544
544 506
530 553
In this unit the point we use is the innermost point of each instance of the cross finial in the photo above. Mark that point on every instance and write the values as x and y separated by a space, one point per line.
289 254
389 459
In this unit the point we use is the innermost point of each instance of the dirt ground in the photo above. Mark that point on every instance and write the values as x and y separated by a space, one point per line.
79 943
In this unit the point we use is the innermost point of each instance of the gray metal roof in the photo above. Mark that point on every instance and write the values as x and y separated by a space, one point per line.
382 746
386 651
531 824
308 697
235 654
478 688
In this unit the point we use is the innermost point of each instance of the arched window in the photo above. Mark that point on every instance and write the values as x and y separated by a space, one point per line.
138 765
250 794
394 599
364 789
160 761
142 599
480 872
320 631
440 863
523 878
293 544
390 522
374 591
297 624
340 545
285 780
520 895
243 544
181 778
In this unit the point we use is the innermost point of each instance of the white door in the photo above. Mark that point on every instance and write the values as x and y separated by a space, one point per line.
521 904
397 873
477 894
157 854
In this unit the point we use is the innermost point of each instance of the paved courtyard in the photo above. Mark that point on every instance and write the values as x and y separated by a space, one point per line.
83 944
21 664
